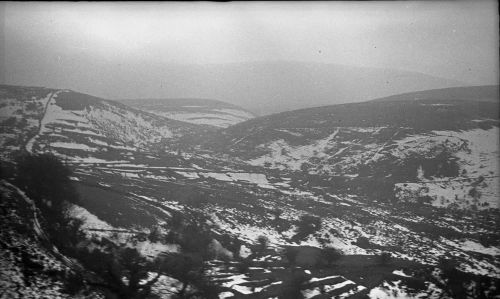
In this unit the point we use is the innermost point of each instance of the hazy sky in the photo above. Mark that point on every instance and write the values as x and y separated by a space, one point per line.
41 42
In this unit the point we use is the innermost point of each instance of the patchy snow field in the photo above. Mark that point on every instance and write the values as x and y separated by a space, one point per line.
254 178
478 157
396 290
93 226
221 118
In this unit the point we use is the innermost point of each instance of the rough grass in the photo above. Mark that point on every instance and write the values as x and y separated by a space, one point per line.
116 208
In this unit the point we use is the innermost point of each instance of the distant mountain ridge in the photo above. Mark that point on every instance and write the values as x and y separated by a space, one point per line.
197 111
263 88
488 93
274 86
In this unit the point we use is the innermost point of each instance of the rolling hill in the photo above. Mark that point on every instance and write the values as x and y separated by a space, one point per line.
197 111
488 93
414 178
263 87
444 136
81 127
270 87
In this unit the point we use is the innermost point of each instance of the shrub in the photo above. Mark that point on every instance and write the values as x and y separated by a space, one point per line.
384 258
187 268
262 242
233 244
424 199
207 289
9 122
290 254
7 170
305 167
276 213
474 193
455 278
154 234
73 283
195 238
122 262
363 242
308 224
331 255
293 284
447 265
244 265
46 180
176 221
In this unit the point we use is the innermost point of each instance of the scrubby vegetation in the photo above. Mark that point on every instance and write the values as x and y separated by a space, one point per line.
118 270
46 180
307 225
262 242
167 218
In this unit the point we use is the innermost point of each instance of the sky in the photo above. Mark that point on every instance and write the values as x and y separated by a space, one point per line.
42 43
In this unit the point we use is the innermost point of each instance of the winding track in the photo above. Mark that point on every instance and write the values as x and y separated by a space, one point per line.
44 238
28 146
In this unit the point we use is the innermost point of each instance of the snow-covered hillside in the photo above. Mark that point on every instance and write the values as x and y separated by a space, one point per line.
415 179
83 128
477 156
442 151
475 152
196 111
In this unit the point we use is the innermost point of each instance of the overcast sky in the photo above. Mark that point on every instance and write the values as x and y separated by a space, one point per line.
41 42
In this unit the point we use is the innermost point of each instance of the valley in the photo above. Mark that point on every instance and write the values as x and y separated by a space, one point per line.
412 178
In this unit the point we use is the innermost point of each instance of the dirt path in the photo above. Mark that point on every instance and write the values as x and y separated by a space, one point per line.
44 238
28 146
